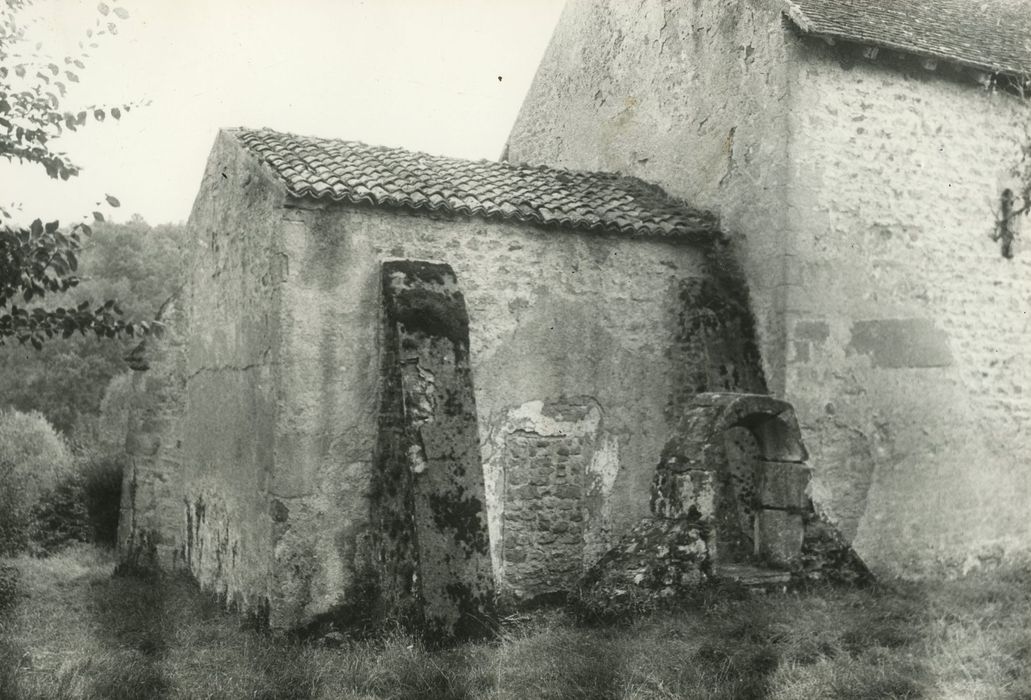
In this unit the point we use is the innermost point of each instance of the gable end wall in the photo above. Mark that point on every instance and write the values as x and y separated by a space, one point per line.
231 378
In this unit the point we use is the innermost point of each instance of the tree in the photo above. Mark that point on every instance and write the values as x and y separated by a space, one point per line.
66 380
41 259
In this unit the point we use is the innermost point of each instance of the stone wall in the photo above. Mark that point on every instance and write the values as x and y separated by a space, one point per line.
200 440
573 340
907 327
150 516
692 96
542 460
860 193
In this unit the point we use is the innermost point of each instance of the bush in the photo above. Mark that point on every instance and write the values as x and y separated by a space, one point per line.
14 510
83 507
47 499
59 518
34 459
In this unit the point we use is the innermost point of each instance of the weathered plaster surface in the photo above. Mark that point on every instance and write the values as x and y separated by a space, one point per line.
860 193
207 398
555 318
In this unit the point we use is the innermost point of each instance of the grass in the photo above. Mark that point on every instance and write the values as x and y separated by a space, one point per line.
76 632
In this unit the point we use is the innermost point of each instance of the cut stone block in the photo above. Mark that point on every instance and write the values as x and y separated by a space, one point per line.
783 485
778 537
689 494
753 576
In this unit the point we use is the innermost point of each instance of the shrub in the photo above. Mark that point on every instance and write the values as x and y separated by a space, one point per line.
59 518
34 459
83 507
14 510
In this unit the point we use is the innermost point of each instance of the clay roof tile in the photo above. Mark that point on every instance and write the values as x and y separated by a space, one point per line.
355 172
992 35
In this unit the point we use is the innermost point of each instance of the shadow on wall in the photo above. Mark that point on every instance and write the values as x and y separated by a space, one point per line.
845 457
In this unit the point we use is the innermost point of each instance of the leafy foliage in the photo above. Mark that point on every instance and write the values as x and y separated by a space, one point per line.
14 510
34 459
48 499
33 86
41 259
60 517
66 380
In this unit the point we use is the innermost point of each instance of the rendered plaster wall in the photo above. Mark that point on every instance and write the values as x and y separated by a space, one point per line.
226 519
573 339
908 330
689 95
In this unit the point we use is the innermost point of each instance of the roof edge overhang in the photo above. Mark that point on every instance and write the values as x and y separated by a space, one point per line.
698 227
807 26
708 232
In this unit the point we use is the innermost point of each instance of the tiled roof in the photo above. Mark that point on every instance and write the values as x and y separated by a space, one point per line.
354 172
992 35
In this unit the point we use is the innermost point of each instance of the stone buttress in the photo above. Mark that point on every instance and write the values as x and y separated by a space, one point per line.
429 506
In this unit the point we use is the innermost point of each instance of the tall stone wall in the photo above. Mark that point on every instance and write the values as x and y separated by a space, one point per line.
573 341
907 326
860 194
692 96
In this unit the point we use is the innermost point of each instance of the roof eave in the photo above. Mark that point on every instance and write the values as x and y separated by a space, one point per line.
706 232
806 25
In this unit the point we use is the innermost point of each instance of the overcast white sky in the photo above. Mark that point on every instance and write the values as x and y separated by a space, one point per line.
422 74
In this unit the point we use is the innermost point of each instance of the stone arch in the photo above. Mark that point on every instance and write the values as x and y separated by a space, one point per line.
776 434
697 443
751 447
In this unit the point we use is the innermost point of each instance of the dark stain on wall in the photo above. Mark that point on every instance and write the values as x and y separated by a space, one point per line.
429 314
716 344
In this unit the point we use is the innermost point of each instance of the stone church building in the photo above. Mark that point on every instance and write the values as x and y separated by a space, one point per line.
572 317
412 383
857 155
